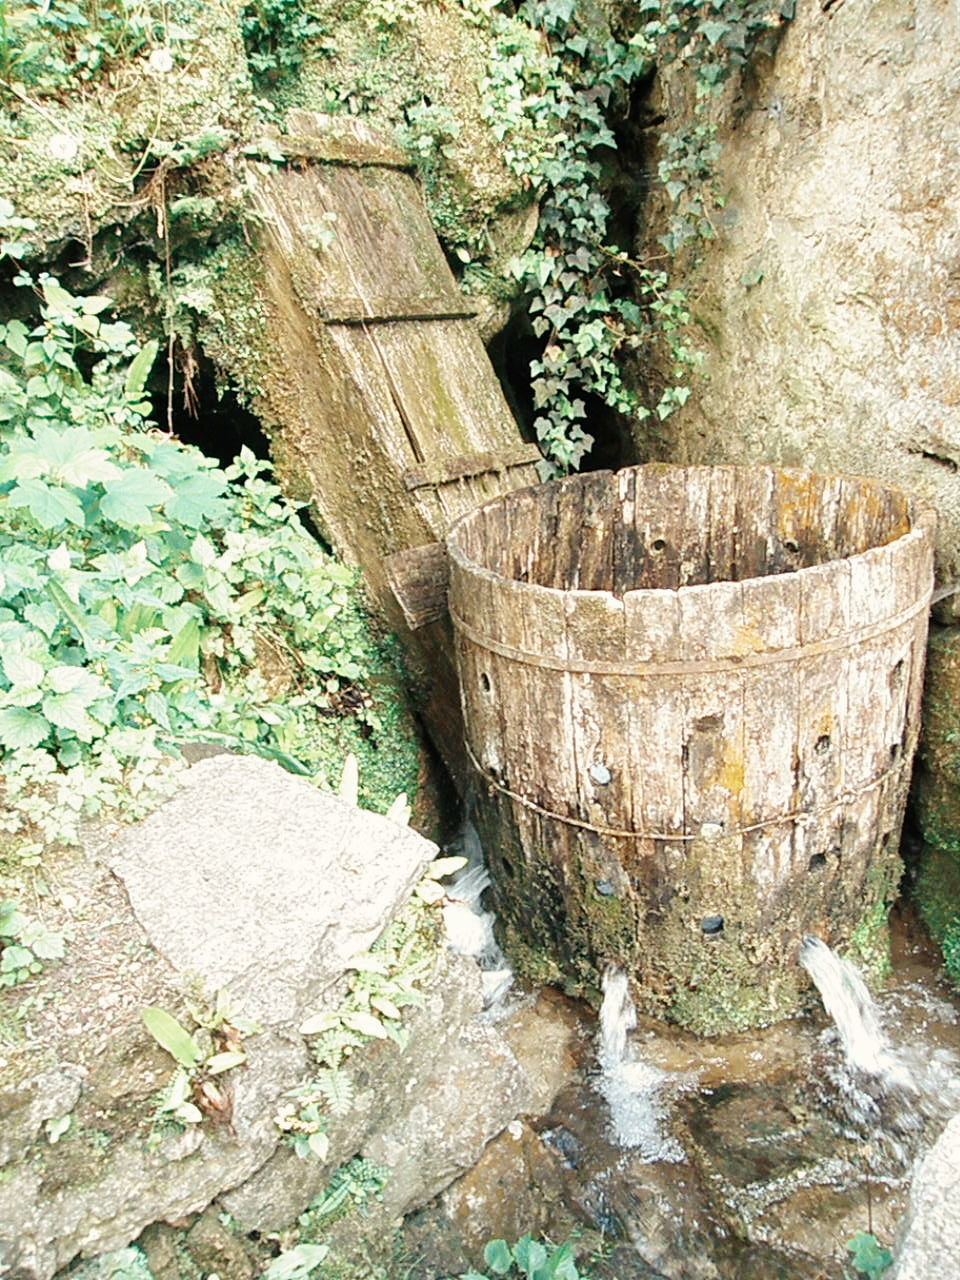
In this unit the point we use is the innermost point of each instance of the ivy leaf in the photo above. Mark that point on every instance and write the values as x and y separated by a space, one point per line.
130 496
714 31
20 727
49 505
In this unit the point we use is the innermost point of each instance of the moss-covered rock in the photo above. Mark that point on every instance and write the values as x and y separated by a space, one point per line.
937 796
75 161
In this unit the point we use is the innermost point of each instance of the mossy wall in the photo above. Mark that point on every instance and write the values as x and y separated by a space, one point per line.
937 797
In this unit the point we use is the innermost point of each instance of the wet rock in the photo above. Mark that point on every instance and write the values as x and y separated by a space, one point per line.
218 1251
478 1083
930 1242
405 1100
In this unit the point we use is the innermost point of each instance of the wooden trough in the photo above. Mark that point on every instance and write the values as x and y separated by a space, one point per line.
691 699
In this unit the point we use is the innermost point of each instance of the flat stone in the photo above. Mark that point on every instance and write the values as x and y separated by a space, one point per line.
278 884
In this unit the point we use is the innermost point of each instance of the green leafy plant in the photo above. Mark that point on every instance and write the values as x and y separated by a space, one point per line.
275 35
868 1257
146 596
351 1187
712 39
298 1263
49 47
529 1258
24 946
197 1066
588 299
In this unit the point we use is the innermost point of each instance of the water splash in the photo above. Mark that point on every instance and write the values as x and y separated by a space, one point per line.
847 999
470 929
637 1092
897 1095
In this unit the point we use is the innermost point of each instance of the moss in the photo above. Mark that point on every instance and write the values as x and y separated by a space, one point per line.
937 797
71 162
870 943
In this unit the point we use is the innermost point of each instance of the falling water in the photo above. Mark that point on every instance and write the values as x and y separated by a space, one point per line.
469 927
636 1092
851 1006
897 1094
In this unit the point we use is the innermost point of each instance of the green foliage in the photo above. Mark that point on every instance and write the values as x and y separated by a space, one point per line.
24 945
868 1256
351 1187
146 595
528 1258
298 1263
381 984
950 943
275 35
172 1036
120 1264
47 47
588 299
575 281
713 39
199 1059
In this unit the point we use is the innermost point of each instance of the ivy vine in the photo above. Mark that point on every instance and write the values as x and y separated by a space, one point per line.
590 300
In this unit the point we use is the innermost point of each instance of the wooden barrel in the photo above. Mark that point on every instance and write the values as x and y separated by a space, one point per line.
691 699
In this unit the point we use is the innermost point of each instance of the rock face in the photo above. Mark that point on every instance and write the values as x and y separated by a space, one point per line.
829 306
248 880
930 1240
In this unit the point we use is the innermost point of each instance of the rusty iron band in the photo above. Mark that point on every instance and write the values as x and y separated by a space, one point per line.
795 815
732 662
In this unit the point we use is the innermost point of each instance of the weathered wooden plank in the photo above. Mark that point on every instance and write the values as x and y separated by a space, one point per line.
338 140
626 549
693 528
659 512
714 769
656 746
721 531
568 523
771 621
600 723
711 623
383 245
420 579
466 466
591 551
439 373
755 487
352 309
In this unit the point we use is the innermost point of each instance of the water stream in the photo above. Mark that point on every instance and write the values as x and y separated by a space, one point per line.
746 1157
